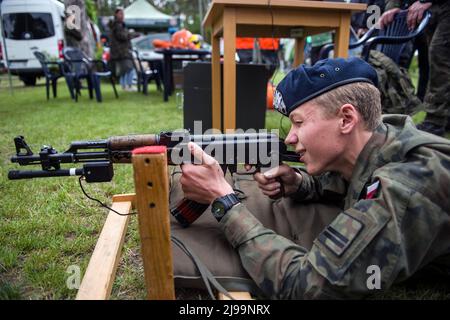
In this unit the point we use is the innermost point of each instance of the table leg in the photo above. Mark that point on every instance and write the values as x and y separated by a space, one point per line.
229 69
342 40
166 77
216 83
299 53
172 85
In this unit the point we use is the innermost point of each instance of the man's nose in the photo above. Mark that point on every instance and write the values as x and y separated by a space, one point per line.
291 138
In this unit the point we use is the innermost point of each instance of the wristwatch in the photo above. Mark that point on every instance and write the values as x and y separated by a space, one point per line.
221 205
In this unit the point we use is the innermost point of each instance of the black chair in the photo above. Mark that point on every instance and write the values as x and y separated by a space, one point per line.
100 70
390 41
78 66
52 72
145 76
75 68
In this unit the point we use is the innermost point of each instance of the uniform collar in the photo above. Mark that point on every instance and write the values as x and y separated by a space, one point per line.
366 163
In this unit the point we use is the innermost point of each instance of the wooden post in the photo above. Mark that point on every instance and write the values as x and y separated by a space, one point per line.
152 201
229 69
216 83
342 39
299 55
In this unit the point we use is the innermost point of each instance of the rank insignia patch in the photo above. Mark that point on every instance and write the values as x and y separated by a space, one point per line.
339 235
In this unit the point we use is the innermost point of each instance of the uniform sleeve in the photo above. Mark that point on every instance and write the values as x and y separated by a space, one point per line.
367 247
391 4
328 187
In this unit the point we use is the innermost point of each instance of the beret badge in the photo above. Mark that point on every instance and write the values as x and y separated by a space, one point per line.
278 103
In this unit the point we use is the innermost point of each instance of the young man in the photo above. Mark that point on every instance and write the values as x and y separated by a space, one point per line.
387 182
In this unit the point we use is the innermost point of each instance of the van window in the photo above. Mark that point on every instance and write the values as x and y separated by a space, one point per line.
28 26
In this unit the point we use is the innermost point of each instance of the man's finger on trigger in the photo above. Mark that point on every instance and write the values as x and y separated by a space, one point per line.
260 178
200 156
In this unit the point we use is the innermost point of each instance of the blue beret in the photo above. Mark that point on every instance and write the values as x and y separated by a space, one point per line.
305 83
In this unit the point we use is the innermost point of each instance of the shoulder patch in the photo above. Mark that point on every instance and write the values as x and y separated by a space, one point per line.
339 235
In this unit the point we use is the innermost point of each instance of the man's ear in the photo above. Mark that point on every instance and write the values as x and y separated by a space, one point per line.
349 118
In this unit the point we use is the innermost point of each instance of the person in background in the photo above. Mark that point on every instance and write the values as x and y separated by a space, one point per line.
437 99
121 57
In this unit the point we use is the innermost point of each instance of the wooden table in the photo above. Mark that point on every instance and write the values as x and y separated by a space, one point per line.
177 54
267 18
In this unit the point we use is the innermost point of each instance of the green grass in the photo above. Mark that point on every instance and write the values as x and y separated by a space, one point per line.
48 225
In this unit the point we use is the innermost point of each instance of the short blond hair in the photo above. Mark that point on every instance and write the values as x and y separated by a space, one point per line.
364 96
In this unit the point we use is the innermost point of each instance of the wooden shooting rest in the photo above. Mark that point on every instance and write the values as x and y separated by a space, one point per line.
152 203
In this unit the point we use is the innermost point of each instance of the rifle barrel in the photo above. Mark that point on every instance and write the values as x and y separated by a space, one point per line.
28 174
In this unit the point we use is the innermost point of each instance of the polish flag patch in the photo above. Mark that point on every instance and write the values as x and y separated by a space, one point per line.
372 190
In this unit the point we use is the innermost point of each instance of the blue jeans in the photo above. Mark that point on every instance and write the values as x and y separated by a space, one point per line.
127 78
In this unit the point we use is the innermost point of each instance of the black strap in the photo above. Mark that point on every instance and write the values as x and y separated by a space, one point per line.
206 275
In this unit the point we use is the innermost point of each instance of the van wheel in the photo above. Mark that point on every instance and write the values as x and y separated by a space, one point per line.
28 80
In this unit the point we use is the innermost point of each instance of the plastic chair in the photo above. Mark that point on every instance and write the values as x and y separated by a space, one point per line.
390 41
80 66
144 76
100 70
51 74
75 68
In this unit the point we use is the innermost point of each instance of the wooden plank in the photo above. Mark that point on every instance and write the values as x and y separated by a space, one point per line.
101 271
216 84
342 39
218 6
287 17
125 198
276 32
152 201
229 69
236 296
217 28
292 4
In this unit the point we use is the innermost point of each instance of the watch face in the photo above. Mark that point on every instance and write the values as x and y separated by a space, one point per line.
218 208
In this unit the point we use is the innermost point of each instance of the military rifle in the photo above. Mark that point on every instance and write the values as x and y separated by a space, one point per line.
97 157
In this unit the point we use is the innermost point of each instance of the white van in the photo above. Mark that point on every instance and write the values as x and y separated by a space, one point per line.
30 25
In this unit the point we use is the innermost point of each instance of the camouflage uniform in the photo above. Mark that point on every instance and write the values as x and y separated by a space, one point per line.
437 98
395 215
395 85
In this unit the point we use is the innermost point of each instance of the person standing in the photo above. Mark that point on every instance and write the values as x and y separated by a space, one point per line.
121 57
437 99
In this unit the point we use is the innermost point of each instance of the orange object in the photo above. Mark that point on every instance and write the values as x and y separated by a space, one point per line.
182 39
264 43
244 43
269 99
269 43
163 44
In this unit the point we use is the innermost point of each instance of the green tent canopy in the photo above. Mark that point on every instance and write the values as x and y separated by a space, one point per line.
142 15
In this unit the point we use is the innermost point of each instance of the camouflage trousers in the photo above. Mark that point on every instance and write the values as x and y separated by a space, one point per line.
437 98
300 223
